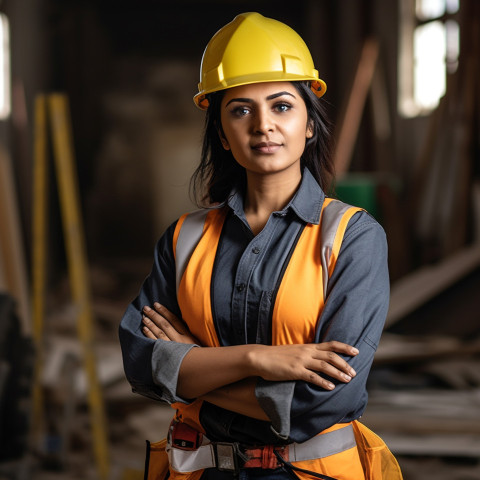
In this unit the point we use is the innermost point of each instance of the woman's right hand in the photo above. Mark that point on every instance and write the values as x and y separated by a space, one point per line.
162 323
304 362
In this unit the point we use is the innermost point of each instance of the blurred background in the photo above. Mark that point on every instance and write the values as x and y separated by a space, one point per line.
98 139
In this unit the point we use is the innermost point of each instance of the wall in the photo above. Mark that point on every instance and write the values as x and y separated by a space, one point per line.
130 72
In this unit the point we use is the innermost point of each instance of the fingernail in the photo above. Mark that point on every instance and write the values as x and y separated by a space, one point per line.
146 308
157 305
331 386
145 319
355 350
352 372
347 377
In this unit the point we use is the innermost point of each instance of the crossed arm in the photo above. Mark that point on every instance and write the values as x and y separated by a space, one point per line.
233 371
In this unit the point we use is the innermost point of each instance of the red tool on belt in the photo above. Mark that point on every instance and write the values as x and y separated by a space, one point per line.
185 437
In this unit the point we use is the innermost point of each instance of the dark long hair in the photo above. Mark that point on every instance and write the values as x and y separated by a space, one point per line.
219 172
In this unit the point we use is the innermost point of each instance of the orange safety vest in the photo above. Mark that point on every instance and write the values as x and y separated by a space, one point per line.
313 260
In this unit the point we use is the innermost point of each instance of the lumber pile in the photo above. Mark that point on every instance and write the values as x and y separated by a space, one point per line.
425 396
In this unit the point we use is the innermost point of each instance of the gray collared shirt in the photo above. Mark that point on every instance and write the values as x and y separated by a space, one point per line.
247 269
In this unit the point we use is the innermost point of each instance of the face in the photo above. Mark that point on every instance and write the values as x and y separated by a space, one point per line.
265 125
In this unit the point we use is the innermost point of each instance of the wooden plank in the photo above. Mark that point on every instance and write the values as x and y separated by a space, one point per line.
455 445
13 263
394 348
410 423
347 136
416 200
62 137
3 277
384 152
425 411
415 289
39 258
463 160
476 209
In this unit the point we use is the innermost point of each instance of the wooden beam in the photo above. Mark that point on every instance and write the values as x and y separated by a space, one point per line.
13 263
424 411
458 445
347 136
62 140
415 289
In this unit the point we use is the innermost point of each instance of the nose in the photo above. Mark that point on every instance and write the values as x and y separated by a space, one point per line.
263 122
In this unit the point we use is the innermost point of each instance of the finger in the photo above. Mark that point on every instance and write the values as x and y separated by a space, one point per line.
151 327
333 372
314 378
178 324
157 331
320 365
148 333
330 348
152 331
154 316
340 347
154 335
159 320
162 324
330 363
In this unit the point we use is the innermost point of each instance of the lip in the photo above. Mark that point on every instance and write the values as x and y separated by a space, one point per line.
266 147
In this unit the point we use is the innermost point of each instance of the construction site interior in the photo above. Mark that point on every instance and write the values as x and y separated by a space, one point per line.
98 140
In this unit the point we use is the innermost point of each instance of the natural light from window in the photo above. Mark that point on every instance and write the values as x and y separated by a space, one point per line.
5 100
429 47
429 50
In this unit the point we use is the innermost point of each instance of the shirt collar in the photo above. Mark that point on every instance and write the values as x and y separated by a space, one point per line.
306 203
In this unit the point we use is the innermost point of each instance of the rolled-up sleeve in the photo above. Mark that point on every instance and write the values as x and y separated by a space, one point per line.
354 313
152 366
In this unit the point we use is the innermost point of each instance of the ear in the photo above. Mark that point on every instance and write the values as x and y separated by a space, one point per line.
223 140
225 144
309 133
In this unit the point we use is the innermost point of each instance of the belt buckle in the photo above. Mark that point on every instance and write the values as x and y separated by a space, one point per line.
226 457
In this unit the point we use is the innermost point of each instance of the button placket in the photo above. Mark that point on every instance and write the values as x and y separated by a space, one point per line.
246 266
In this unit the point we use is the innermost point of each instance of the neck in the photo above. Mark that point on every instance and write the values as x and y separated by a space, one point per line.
267 194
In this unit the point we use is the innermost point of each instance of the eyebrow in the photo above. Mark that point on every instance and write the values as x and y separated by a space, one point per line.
270 97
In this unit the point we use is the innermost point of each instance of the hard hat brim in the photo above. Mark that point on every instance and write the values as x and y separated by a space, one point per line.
318 86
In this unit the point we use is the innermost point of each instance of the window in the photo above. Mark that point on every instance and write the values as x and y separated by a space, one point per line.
429 49
5 68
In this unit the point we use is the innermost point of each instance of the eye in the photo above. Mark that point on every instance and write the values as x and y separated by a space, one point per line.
282 107
240 111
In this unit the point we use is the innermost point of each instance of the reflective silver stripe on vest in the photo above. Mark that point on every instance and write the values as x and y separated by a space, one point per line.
320 446
192 229
188 238
331 216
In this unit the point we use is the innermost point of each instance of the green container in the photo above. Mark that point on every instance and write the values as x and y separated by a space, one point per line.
360 190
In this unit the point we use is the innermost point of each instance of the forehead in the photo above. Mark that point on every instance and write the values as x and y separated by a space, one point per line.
259 91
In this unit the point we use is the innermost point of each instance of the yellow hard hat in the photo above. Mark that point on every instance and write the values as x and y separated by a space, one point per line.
252 49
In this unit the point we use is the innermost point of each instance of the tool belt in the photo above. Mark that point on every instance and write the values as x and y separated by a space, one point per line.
189 451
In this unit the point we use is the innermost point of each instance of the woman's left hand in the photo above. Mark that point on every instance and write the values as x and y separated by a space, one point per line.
161 323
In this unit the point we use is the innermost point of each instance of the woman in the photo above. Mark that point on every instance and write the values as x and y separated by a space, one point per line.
262 313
